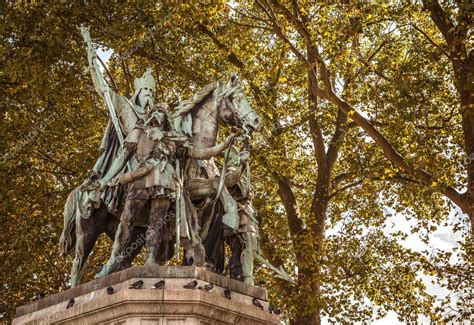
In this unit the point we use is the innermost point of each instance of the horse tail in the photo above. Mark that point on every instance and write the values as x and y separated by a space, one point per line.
67 240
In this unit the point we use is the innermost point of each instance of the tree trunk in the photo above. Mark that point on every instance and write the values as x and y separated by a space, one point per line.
467 111
310 277
309 309
462 61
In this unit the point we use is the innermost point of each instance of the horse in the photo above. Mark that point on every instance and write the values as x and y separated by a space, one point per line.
199 118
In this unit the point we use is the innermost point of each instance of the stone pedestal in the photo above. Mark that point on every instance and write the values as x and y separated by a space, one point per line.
171 305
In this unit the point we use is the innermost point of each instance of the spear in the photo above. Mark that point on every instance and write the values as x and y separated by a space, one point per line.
103 85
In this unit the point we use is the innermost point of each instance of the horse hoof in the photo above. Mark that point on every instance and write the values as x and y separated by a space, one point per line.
102 273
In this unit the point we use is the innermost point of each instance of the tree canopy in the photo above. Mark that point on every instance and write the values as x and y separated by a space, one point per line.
367 109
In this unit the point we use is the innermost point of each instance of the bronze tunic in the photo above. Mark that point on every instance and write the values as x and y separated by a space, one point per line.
160 154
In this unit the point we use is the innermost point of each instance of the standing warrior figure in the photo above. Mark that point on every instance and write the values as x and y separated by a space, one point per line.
243 241
152 150
248 224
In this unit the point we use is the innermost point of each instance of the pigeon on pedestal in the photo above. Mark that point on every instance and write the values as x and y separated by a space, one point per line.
191 285
257 303
110 290
159 285
70 303
208 287
136 285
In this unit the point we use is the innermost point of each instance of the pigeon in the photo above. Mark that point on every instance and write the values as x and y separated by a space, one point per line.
110 290
208 287
159 285
41 295
270 309
70 303
257 303
191 285
227 293
136 285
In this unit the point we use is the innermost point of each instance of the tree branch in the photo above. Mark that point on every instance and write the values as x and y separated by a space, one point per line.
336 140
375 178
434 43
328 94
441 20
291 206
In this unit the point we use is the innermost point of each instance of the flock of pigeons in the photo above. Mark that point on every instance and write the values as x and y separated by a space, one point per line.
191 285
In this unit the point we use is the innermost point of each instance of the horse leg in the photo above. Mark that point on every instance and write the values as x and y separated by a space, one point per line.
159 208
188 252
236 247
77 263
85 243
130 213
87 232
111 226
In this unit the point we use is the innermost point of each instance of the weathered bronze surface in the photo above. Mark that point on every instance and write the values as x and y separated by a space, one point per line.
156 182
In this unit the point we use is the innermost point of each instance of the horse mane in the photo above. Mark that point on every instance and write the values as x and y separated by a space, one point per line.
182 121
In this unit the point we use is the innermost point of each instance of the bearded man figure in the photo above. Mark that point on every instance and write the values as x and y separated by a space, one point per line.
152 180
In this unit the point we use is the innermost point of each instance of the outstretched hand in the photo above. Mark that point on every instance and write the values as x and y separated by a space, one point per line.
233 138
229 139
85 33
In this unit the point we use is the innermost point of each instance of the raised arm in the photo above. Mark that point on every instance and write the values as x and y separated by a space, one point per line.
97 79
207 153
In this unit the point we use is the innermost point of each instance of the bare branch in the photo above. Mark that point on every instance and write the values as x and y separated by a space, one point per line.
291 206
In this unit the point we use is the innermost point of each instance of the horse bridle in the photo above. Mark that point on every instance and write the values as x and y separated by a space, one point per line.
235 113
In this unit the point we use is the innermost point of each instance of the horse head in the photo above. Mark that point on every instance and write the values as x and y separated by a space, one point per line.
234 106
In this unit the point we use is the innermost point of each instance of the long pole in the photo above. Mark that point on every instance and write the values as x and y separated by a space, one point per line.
103 85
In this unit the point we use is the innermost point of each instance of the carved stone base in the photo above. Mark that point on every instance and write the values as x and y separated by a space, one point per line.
172 305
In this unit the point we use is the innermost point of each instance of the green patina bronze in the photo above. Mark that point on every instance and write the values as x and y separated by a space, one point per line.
156 181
